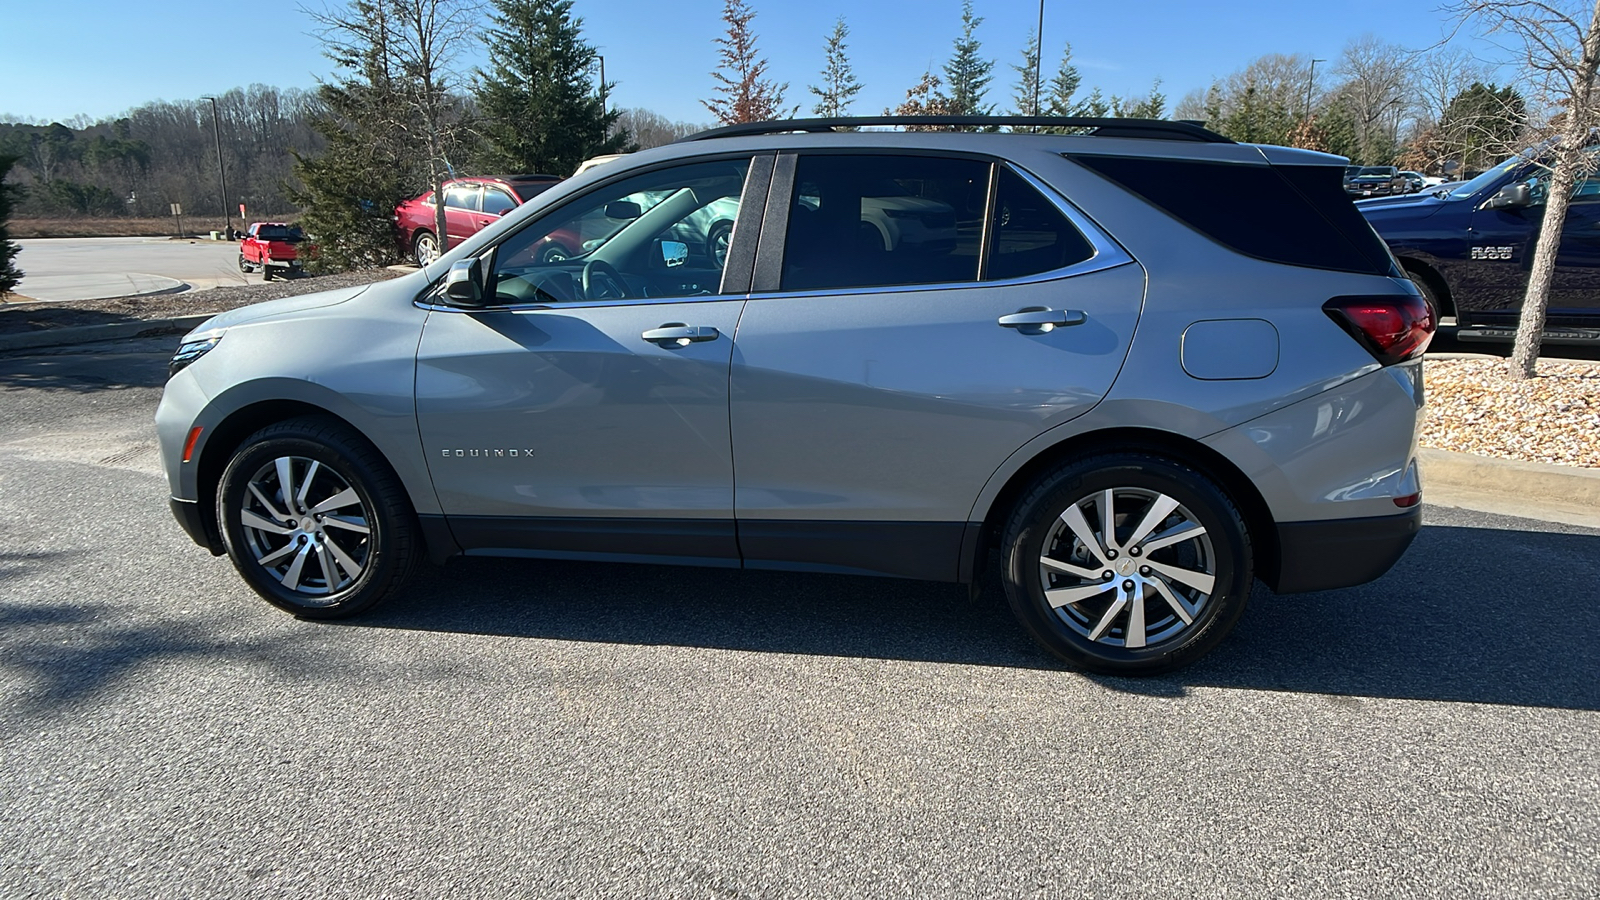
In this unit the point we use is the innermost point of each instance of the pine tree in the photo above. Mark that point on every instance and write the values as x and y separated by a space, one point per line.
839 84
1062 87
350 190
745 95
9 274
1094 106
540 108
1025 93
967 73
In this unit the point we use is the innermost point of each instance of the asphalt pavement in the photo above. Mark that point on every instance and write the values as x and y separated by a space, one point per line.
60 269
547 729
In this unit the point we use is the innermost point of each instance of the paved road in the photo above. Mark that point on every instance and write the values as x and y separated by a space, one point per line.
86 268
577 730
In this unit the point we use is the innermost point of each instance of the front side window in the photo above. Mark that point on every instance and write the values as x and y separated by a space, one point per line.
870 221
461 197
661 234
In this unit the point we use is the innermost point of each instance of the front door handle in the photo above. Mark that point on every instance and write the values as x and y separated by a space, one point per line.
1042 319
677 334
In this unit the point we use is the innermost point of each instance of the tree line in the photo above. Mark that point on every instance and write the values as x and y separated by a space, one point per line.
399 114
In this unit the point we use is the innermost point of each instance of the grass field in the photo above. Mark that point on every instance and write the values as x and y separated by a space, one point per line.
119 227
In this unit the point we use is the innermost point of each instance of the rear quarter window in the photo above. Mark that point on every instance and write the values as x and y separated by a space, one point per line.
1297 215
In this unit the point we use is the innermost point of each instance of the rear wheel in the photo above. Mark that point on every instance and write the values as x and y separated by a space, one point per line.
1432 298
314 520
425 248
1127 564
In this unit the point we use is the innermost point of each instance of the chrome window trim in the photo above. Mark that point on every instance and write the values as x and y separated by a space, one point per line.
1108 254
1086 267
421 303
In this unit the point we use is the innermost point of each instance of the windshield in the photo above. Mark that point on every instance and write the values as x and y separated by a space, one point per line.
1370 171
1487 178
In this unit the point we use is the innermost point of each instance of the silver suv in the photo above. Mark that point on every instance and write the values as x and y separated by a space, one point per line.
1145 363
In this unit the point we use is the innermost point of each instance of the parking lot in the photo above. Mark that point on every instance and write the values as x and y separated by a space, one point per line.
84 268
571 729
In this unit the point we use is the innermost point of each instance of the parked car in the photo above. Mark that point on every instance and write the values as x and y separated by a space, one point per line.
1152 366
470 204
274 248
1414 181
1375 181
1468 248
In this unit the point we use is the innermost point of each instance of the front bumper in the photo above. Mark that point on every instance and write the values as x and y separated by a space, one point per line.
193 522
1339 553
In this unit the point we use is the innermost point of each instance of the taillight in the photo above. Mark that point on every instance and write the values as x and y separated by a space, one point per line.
1393 328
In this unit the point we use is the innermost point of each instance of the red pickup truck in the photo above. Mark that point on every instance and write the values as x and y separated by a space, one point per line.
270 246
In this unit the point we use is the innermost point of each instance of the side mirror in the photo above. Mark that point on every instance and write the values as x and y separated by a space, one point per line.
464 283
1512 196
623 209
674 253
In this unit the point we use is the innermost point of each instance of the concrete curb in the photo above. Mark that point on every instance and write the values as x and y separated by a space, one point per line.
87 334
1535 483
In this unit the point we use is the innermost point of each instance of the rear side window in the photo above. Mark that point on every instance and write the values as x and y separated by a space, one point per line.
872 221
1030 235
496 201
1299 215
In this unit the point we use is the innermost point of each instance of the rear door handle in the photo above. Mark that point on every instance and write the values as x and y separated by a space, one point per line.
1042 319
677 334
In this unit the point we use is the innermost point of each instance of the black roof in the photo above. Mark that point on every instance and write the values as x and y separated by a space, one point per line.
1157 129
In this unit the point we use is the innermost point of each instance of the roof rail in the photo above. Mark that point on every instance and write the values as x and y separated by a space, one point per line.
1156 129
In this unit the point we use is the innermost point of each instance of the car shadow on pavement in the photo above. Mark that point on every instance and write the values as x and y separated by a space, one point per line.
1473 615
90 368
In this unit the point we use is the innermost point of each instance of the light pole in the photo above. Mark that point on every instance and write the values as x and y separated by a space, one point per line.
1311 84
216 130
1038 59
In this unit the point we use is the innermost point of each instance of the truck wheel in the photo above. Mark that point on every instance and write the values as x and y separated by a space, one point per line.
266 271
315 520
1127 564
243 266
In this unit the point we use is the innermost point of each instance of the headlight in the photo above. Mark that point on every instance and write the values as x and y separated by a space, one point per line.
191 350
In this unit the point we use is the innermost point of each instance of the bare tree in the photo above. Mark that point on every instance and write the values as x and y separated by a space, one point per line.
429 36
651 129
1376 77
1560 45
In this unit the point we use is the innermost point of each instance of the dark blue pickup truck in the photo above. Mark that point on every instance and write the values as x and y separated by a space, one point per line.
1468 247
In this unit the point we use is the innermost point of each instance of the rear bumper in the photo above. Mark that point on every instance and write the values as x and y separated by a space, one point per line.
1339 553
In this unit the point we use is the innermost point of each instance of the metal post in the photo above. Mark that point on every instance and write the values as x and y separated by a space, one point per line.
216 129
1310 85
602 86
1038 60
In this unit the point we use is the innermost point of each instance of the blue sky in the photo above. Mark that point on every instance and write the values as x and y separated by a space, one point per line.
99 57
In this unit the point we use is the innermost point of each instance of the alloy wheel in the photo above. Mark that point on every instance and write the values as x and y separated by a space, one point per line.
1128 567
307 527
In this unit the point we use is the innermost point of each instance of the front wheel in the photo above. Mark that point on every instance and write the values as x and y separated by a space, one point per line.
314 520
1127 564
244 266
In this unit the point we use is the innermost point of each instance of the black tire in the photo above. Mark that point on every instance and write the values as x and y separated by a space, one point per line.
266 271
1225 547
1430 297
243 266
387 553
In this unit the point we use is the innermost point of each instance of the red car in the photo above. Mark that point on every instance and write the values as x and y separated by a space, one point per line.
470 204
274 245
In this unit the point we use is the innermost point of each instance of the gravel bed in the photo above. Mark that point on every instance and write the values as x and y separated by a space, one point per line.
1475 406
16 318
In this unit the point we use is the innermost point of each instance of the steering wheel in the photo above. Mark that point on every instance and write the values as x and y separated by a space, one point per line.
598 272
